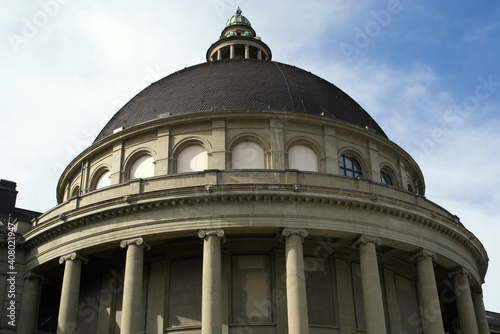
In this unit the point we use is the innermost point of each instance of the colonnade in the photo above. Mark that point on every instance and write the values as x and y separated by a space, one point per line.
471 311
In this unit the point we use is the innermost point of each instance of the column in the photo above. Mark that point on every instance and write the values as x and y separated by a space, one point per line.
219 54
466 315
247 51
429 296
298 320
480 311
131 322
231 51
29 303
211 314
68 308
370 281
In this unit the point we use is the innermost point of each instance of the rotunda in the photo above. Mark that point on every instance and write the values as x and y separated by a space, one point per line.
243 195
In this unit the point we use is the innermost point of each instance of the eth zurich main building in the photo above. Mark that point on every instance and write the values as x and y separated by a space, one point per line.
243 195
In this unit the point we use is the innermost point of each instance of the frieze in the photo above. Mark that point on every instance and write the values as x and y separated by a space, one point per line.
74 220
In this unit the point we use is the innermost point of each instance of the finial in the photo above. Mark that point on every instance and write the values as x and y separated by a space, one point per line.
238 11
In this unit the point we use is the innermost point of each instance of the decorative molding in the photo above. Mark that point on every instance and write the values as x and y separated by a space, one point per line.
127 199
135 241
458 271
418 215
205 234
73 257
297 187
423 253
364 239
287 232
209 188
477 290
33 274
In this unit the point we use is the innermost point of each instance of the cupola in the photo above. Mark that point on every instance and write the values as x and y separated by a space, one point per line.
238 40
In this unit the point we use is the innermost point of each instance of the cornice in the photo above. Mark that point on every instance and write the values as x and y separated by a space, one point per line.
266 193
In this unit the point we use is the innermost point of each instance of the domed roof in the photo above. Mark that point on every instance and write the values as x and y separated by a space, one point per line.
244 84
237 18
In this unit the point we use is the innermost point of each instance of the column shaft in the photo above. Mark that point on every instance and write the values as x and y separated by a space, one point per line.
211 308
429 294
68 308
480 311
29 304
370 281
466 314
298 320
131 322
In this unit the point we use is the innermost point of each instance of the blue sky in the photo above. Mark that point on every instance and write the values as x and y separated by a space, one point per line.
428 74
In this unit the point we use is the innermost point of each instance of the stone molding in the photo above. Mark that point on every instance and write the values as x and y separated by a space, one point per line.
287 232
205 234
53 227
364 239
34 274
459 271
135 241
423 253
73 257
477 290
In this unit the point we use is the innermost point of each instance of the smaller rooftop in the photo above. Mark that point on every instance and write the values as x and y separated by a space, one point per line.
237 18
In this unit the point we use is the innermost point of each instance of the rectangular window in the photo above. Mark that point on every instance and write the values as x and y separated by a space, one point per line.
319 287
408 305
251 290
185 293
358 296
49 308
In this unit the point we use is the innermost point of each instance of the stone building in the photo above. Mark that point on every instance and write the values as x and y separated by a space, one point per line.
244 195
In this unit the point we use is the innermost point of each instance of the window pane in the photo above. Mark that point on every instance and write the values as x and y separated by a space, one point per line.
247 155
348 163
319 292
191 159
104 180
303 158
185 293
142 168
251 290
385 178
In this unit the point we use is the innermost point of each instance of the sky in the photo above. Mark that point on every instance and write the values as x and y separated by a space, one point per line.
427 71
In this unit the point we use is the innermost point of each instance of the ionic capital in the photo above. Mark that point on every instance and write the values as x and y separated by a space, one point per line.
33 274
423 253
135 241
287 232
205 234
458 271
73 257
365 240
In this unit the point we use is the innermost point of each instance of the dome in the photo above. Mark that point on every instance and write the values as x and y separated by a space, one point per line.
244 84
237 18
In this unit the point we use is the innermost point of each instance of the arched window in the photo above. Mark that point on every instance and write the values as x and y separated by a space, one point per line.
247 155
104 180
303 158
75 192
142 168
192 159
349 167
385 178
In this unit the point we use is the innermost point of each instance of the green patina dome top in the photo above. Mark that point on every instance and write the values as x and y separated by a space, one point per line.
237 18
